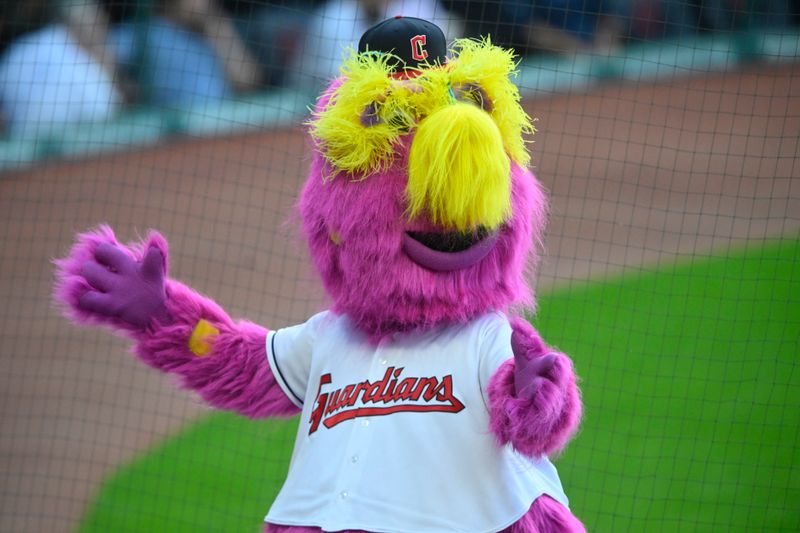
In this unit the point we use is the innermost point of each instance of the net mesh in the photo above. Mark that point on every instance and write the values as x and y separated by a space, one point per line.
667 138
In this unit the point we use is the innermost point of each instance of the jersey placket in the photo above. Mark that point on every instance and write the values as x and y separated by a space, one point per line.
351 474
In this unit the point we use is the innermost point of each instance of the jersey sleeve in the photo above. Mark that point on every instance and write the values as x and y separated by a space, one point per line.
289 352
495 349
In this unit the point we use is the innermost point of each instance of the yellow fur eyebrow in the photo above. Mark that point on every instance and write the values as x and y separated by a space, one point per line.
491 68
392 107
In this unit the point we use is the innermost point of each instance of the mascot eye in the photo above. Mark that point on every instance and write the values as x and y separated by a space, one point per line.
473 94
370 116
375 113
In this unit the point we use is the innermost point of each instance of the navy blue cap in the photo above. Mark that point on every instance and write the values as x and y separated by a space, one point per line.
411 40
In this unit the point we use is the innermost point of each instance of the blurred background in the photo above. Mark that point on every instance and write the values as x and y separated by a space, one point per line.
668 138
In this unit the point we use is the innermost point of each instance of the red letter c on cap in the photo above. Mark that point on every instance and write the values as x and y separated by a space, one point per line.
418 51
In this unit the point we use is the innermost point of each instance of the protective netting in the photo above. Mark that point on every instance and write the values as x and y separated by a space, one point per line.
668 138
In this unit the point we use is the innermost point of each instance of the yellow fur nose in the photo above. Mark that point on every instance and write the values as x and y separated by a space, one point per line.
458 170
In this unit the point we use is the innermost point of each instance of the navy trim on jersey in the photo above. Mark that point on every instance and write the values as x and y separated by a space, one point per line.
280 374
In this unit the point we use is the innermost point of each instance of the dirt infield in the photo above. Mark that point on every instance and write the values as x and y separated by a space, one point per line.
638 175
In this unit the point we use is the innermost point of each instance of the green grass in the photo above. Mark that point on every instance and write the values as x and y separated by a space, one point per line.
692 393
690 381
219 474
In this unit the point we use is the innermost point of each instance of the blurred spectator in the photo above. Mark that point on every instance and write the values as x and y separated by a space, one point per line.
584 25
18 18
531 26
47 79
602 25
80 60
656 19
273 31
732 15
339 24
180 52
566 25
640 20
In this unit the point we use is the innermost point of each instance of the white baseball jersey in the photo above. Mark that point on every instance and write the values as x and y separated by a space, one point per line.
395 437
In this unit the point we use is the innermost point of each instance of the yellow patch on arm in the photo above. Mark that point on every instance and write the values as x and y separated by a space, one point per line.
202 338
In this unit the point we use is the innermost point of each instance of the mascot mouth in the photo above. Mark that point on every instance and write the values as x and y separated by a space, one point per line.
447 251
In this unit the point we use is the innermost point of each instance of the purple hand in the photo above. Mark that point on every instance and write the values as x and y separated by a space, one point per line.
124 288
530 373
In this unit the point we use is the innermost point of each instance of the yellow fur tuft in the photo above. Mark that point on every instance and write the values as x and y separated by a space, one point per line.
491 68
397 107
458 171
347 143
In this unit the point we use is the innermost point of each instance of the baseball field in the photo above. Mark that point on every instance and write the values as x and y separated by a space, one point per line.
671 277
689 426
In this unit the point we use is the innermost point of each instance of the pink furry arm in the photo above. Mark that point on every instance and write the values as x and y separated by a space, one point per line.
234 375
542 420
102 282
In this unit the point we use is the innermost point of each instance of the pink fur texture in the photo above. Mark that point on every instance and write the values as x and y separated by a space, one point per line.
234 376
368 219
544 424
545 516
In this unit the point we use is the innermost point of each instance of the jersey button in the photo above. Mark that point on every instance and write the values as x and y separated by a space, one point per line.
354 459
365 422
383 361
343 495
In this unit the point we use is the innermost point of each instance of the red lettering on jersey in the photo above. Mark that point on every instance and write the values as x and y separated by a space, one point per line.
396 394
322 401
418 51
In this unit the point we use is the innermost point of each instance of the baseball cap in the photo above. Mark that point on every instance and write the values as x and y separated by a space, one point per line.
412 40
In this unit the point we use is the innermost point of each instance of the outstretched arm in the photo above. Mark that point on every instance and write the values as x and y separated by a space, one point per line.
177 330
534 400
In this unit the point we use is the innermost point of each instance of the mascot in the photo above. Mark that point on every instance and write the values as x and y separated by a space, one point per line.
425 406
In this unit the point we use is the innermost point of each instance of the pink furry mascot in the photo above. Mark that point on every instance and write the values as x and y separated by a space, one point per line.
424 406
